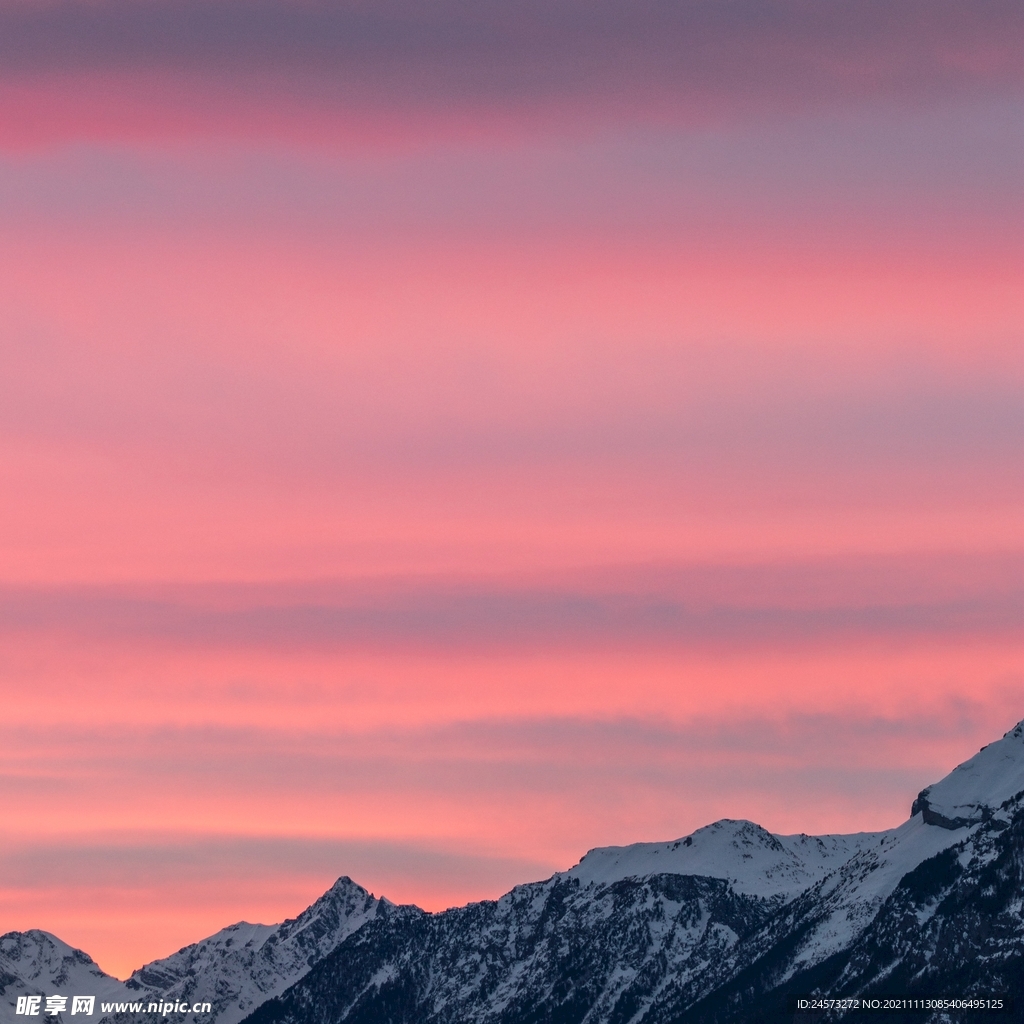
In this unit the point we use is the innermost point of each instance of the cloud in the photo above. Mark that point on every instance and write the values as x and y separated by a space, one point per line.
660 607
136 863
256 63
525 762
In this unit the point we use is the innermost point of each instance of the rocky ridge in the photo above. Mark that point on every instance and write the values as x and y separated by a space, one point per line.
235 970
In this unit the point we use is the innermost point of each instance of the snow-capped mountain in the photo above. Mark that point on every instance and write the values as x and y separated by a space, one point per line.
245 964
975 790
750 858
235 970
37 963
590 946
719 927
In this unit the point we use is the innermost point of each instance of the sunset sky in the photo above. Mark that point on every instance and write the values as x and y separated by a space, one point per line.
440 438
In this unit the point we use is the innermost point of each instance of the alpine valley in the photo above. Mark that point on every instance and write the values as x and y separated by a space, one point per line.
725 926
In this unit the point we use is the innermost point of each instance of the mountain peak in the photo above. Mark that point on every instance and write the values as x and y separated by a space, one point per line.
35 961
752 859
243 965
346 887
973 791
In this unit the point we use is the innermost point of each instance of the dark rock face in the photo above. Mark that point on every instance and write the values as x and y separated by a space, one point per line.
552 952
674 949
932 817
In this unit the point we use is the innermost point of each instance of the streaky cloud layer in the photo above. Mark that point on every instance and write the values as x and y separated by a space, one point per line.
712 607
439 439
322 70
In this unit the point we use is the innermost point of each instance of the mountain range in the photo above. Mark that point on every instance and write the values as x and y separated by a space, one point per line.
729 925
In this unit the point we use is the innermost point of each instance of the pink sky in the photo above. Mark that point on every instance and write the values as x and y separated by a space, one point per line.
433 445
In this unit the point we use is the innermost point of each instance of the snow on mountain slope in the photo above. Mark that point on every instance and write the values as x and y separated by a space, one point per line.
974 790
234 970
955 923
752 859
557 950
603 947
826 889
757 862
245 964
36 963
847 900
